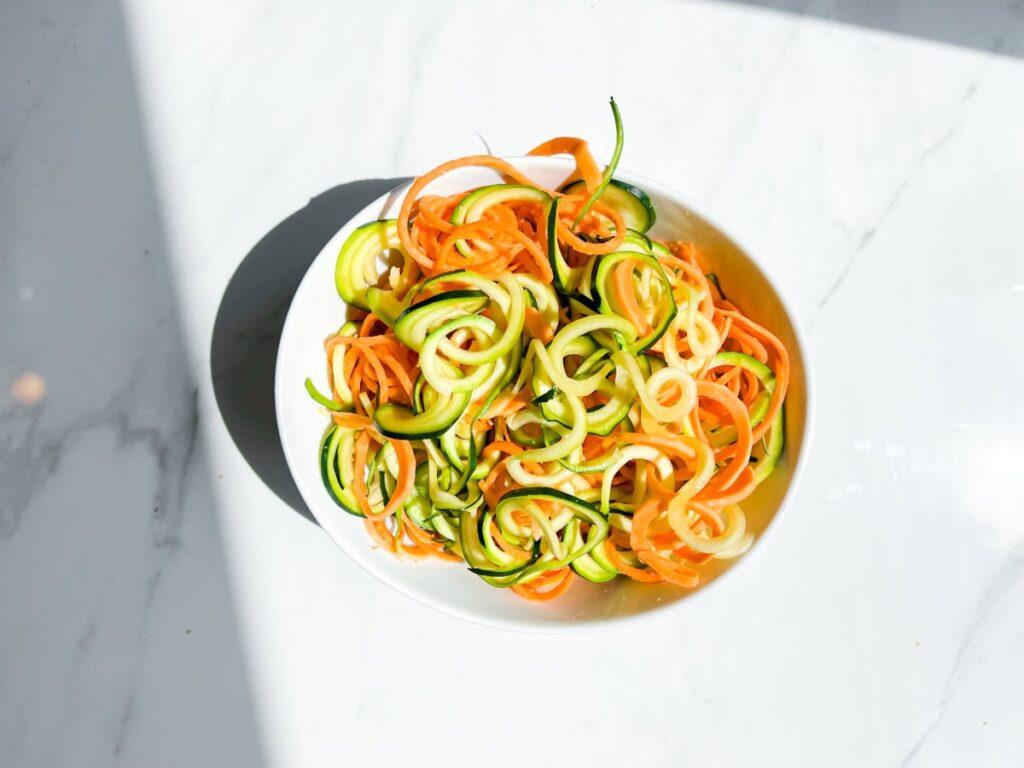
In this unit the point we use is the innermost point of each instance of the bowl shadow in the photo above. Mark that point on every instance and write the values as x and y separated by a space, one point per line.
247 330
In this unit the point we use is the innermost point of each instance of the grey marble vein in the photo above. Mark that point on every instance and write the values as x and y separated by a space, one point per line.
1008 574
57 60
868 236
122 725
129 706
30 454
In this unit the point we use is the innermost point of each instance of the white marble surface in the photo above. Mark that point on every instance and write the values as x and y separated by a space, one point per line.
162 606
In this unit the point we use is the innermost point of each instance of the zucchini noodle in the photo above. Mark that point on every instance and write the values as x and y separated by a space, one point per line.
532 385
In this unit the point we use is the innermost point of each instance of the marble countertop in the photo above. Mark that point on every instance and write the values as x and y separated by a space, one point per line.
168 170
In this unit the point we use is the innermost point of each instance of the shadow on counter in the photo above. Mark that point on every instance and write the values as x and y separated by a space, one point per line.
120 635
243 352
986 25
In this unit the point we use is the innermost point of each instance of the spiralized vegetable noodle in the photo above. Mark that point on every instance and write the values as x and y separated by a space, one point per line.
534 386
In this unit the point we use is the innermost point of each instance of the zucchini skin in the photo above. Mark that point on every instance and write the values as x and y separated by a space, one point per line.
401 423
632 202
363 246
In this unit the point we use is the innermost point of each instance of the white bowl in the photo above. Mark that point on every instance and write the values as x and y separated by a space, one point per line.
317 309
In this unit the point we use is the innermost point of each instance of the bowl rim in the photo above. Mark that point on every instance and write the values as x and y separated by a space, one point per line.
563 626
